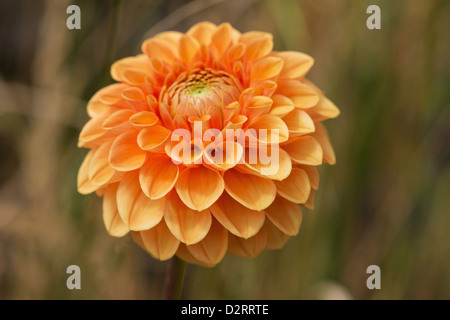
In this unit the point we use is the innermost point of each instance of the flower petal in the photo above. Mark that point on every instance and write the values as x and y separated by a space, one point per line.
153 138
247 248
305 150
296 187
143 119
199 187
296 64
324 109
254 192
202 32
213 247
276 238
285 215
266 68
186 225
125 154
111 218
137 211
313 175
188 48
321 135
236 218
158 176
160 242
221 38
184 254
258 48
84 185
100 171
299 123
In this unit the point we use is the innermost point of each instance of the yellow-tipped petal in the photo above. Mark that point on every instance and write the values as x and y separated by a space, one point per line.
199 187
160 242
285 215
239 220
254 192
186 225
137 211
296 187
111 218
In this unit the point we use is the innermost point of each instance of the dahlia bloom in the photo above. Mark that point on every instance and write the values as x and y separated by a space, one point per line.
190 204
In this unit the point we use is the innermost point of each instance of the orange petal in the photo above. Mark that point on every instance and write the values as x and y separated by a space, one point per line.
93 129
276 239
299 123
305 150
258 48
158 176
237 219
321 135
111 218
160 242
266 127
313 175
125 154
285 215
223 156
254 192
117 119
213 247
158 48
248 37
324 109
143 119
266 68
247 248
105 98
132 70
83 184
186 225
199 187
221 38
281 105
302 95
100 172
135 98
188 48
202 32
184 254
296 187
137 211
260 169
153 138
310 203
296 64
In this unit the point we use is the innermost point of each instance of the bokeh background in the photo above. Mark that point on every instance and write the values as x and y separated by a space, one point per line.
386 201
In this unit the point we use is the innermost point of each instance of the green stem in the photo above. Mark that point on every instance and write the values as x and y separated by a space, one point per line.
174 279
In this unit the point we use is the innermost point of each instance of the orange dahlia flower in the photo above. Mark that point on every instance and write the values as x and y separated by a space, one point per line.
190 204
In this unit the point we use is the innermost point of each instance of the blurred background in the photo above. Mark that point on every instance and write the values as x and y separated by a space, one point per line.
386 202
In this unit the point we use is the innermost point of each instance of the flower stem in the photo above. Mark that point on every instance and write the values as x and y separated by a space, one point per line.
174 279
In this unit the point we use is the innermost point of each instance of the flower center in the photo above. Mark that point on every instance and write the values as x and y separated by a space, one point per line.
202 92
